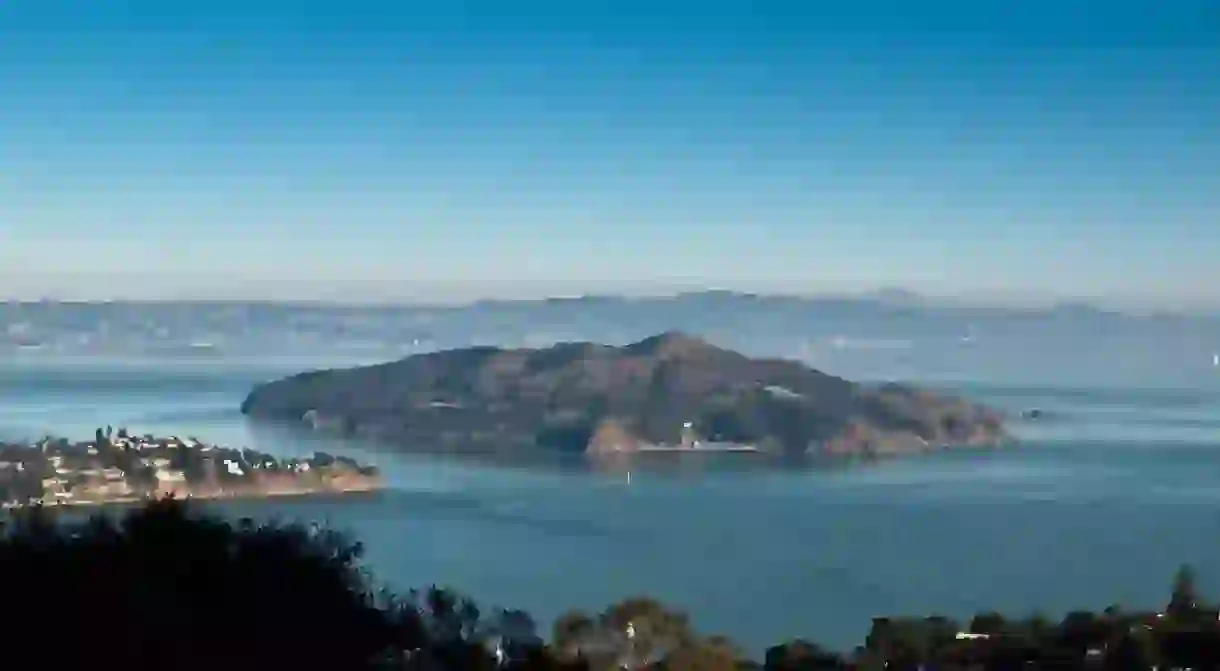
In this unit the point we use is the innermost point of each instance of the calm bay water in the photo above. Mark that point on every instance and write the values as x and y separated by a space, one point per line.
1097 507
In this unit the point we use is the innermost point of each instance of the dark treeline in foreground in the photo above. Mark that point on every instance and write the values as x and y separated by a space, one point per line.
166 587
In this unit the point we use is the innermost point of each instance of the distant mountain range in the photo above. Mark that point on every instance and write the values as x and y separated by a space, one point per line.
887 334
883 298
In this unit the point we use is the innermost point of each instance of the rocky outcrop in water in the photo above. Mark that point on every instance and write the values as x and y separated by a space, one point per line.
670 389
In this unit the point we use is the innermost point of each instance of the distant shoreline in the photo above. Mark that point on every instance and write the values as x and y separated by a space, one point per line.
697 449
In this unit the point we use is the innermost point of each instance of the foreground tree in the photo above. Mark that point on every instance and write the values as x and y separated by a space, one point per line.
165 588
162 588
800 655
1184 600
640 633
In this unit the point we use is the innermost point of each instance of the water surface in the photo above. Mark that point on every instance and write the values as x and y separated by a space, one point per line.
1099 506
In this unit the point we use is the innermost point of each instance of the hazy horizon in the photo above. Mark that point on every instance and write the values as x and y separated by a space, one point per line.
448 297
369 150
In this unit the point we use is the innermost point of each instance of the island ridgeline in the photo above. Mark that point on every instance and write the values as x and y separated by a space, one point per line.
668 392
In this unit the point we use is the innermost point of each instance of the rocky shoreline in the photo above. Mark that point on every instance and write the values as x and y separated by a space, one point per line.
228 495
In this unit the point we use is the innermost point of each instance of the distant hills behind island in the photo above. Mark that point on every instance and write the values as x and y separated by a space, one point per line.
892 334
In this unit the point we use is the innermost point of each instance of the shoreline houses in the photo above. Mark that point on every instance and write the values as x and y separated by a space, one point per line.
125 467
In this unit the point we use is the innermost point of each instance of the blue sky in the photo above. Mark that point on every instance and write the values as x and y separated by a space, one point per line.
369 149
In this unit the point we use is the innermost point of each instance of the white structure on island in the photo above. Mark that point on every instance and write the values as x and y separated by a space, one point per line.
689 439
166 475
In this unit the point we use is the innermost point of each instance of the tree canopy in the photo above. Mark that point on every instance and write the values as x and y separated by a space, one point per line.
166 587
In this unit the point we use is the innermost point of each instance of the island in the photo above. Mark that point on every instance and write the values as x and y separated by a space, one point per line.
669 392
122 467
